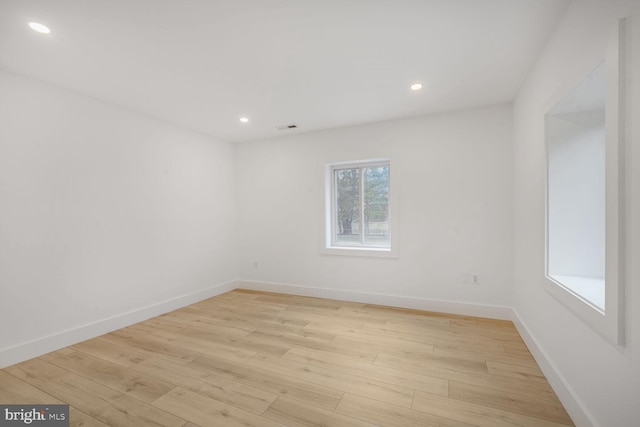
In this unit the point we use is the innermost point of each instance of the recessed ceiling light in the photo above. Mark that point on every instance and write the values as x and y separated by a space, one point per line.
244 119
36 26
416 86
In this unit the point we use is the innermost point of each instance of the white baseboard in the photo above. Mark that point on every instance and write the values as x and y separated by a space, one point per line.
38 347
452 307
576 409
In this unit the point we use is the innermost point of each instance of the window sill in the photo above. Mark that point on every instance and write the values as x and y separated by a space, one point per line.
588 288
359 252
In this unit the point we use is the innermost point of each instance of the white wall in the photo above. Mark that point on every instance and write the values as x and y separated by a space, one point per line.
455 209
103 213
598 382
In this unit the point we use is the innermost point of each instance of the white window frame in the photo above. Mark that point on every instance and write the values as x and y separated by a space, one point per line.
610 321
329 245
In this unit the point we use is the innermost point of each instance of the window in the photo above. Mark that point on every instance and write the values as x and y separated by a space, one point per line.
584 134
575 132
358 214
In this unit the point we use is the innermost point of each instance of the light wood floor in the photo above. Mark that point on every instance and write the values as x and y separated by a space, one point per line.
258 359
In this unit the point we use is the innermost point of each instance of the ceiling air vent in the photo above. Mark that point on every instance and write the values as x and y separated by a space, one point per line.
287 127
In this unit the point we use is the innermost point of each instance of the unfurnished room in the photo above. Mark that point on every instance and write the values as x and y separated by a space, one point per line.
320 213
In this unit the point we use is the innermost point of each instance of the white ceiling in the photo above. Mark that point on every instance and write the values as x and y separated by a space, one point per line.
317 63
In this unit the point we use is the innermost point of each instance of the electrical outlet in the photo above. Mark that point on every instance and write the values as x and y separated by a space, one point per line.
470 279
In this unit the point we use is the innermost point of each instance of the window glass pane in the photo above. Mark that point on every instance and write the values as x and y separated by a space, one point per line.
376 205
347 184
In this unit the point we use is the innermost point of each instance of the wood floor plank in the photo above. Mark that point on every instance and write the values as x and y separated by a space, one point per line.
411 313
468 347
501 383
247 397
515 371
203 345
252 320
516 348
379 338
164 323
513 402
306 318
261 308
241 396
77 418
297 414
334 323
404 331
369 371
295 388
245 294
347 315
476 344
357 350
248 342
487 356
232 315
153 346
299 301
14 391
485 331
401 396
428 334
287 340
385 414
140 329
35 371
245 343
433 364
218 327
409 318
295 336
124 380
110 352
435 361
439 327
205 411
107 405
370 345
204 319
479 415
331 353
300 310
171 372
